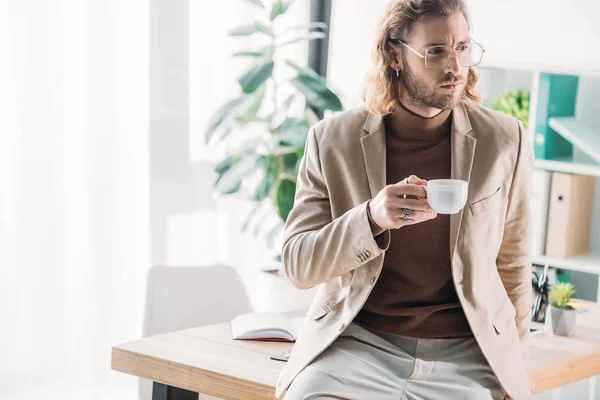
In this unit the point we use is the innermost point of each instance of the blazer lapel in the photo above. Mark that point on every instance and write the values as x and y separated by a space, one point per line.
374 152
463 153
462 148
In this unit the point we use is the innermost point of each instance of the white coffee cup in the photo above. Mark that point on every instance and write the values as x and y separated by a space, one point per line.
446 196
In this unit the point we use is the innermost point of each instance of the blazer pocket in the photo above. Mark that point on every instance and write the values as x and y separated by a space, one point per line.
505 317
321 307
317 310
486 203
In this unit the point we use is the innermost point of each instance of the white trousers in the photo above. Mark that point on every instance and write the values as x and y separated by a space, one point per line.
368 364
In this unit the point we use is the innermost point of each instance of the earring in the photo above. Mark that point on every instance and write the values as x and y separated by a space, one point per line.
398 73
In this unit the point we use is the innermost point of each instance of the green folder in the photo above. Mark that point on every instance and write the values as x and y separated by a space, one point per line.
557 97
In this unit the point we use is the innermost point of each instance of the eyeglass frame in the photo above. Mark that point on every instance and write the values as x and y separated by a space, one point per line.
449 58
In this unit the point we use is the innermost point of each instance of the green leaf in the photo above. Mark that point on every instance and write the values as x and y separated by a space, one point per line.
300 154
258 97
257 3
256 76
310 36
250 215
247 118
233 189
311 117
305 71
561 294
515 103
230 181
251 29
312 25
292 132
250 113
279 8
294 139
221 115
291 123
256 54
263 29
317 93
245 110
289 164
225 164
314 87
286 104
271 173
284 198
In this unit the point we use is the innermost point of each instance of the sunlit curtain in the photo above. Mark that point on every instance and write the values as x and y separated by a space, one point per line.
74 204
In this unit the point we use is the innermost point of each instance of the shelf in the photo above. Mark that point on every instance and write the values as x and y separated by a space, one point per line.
548 68
580 135
589 262
567 165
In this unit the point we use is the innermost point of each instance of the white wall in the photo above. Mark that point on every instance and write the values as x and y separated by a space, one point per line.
353 28
548 34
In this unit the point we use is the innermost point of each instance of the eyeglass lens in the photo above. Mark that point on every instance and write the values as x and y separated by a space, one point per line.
437 57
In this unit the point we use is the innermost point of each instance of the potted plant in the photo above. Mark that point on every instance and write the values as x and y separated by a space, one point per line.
515 103
270 137
562 314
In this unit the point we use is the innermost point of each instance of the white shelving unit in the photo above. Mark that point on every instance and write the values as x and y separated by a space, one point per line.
589 262
579 134
568 165
588 141
583 133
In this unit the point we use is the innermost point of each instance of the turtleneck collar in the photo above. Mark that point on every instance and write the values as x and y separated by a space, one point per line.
406 125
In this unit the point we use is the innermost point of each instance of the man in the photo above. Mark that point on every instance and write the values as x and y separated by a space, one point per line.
411 304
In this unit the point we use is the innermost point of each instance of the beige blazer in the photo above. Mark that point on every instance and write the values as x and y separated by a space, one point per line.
328 240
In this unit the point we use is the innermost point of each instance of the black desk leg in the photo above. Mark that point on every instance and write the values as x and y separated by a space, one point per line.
160 391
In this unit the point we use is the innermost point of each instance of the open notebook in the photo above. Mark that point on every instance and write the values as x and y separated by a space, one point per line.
266 326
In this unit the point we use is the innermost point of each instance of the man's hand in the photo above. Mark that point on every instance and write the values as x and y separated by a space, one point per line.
387 207
531 387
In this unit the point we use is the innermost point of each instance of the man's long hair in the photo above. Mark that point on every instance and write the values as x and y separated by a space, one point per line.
380 92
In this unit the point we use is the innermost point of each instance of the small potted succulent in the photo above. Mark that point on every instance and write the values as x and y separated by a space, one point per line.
562 314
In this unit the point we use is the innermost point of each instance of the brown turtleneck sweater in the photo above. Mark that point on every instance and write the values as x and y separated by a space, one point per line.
415 295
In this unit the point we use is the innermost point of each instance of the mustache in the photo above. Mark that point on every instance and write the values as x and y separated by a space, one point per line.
451 82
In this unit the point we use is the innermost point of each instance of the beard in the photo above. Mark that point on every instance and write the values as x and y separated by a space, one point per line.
422 95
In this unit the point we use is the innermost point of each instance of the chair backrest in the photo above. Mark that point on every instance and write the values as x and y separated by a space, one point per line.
186 297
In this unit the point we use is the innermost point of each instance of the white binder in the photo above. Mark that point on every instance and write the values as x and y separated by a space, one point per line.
539 209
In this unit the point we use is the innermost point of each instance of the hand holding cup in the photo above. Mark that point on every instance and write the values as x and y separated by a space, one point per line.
388 208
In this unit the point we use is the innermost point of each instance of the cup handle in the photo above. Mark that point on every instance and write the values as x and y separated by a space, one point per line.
425 188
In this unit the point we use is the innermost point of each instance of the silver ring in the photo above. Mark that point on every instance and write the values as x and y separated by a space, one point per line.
407 213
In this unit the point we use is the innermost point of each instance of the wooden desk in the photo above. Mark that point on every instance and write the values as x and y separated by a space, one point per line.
206 360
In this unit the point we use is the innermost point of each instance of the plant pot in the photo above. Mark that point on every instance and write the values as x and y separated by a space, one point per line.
563 321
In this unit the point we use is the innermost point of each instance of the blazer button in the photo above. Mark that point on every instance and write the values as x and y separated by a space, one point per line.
342 327
368 253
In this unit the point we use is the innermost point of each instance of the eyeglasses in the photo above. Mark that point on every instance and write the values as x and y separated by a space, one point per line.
438 57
